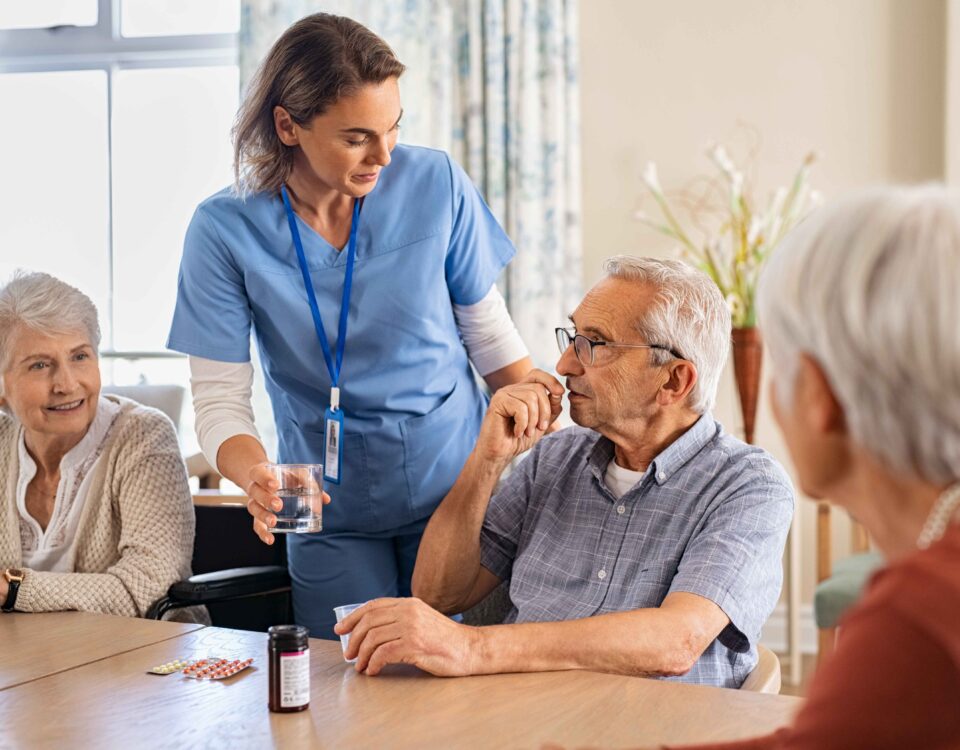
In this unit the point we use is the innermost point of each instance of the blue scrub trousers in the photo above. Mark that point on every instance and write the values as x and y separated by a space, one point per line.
348 567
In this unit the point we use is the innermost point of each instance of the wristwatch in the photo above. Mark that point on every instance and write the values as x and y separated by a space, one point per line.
13 577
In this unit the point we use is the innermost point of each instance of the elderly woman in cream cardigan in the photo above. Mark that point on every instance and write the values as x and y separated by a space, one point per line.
95 509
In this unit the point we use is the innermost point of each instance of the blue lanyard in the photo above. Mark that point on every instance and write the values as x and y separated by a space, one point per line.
334 370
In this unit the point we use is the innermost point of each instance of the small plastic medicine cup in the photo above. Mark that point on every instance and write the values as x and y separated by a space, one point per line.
341 612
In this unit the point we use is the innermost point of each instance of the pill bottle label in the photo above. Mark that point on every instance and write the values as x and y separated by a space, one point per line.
294 678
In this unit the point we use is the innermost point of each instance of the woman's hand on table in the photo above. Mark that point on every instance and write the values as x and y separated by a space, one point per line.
263 501
409 631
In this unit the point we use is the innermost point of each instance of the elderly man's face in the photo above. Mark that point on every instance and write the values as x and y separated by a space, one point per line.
620 387
52 383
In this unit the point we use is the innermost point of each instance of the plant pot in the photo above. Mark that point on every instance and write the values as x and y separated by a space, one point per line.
747 358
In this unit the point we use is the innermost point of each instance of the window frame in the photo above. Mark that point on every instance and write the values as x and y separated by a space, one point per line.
101 47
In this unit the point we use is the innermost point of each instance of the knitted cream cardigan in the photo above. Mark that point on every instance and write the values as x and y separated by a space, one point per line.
135 535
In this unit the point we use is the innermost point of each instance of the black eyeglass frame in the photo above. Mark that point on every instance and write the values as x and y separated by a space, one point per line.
565 338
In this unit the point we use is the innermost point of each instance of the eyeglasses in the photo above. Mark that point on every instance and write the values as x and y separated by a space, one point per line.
584 347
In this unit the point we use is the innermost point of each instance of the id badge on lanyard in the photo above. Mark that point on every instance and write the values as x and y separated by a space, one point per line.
333 438
333 416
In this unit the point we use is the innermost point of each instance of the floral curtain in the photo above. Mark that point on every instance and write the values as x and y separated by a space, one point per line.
494 83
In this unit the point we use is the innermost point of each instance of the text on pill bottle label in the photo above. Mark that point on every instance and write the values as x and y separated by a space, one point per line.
294 678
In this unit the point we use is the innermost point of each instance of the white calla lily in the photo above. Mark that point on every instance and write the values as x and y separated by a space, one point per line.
651 179
737 239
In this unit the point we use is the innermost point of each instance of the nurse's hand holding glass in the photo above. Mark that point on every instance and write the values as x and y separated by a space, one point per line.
365 272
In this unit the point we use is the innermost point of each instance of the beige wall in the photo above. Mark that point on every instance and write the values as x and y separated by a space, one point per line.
952 127
859 81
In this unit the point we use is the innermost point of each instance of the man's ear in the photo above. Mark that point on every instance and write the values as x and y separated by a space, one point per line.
284 125
681 377
816 400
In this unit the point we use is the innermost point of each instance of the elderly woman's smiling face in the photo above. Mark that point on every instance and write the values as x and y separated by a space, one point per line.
52 382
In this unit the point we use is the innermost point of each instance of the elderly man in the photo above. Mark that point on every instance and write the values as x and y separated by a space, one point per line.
646 541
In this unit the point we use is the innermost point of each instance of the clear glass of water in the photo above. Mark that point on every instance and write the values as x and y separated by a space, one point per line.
301 491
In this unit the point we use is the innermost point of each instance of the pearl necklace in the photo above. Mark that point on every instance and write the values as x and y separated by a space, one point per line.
940 515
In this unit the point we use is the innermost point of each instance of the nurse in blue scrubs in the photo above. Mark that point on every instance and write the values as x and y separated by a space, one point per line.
354 262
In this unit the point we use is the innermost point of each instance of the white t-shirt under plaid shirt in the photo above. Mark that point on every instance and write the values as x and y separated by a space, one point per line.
710 517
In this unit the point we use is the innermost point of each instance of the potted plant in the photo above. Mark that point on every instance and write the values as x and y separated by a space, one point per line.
728 235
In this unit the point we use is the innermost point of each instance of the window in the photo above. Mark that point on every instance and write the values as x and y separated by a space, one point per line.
54 193
178 17
116 123
42 14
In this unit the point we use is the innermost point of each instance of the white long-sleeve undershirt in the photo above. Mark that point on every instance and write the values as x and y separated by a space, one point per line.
222 391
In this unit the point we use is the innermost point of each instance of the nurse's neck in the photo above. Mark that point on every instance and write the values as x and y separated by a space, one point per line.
327 211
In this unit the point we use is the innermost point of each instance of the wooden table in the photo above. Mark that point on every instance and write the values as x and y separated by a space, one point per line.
37 645
113 703
215 497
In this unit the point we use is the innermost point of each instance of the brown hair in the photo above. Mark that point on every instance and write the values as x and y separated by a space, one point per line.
314 63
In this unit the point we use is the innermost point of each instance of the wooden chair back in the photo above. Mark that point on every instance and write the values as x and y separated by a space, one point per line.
765 677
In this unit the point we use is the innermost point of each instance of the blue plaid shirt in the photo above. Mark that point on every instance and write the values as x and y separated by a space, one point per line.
710 516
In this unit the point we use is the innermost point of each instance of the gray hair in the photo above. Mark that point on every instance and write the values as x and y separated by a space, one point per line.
870 289
44 304
689 315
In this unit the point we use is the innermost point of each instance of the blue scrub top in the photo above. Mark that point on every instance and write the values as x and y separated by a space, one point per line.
411 404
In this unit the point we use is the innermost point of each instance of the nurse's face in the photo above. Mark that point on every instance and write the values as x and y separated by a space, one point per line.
345 148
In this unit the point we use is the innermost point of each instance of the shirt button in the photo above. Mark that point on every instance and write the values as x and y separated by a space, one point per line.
621 509
662 475
602 574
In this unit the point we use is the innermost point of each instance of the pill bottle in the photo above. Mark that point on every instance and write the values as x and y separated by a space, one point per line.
288 654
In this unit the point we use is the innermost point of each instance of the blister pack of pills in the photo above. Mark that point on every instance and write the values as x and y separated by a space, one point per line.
210 668
170 667
216 668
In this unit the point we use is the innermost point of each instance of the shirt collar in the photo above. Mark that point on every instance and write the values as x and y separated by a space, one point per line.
669 460
600 456
672 458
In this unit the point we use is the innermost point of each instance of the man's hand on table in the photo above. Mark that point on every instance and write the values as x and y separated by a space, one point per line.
409 631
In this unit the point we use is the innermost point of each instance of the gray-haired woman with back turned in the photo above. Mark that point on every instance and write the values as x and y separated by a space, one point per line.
860 308
95 510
